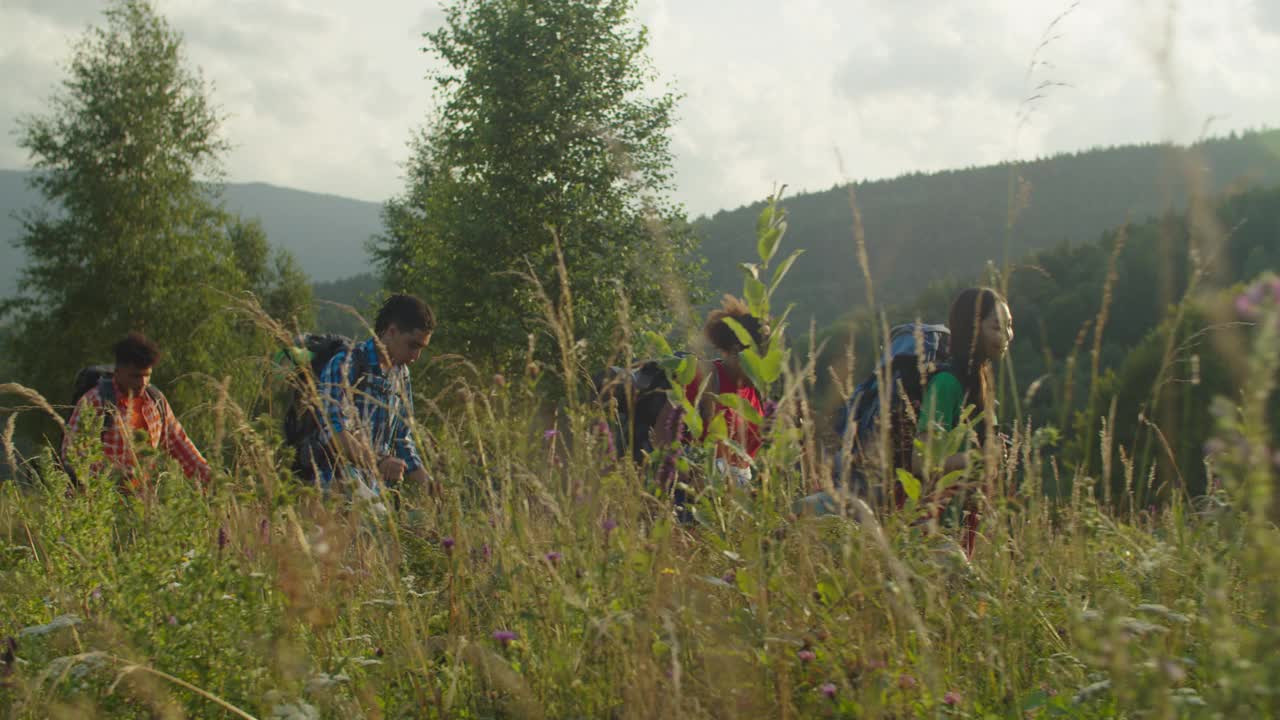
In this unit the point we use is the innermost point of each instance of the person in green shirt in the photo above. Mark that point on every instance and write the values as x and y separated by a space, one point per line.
981 329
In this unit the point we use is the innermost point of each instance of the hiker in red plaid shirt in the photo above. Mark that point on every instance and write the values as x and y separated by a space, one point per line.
133 415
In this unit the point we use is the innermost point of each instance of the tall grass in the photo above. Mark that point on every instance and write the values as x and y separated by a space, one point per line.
552 580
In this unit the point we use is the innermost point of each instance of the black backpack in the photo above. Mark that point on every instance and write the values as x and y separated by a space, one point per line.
306 412
639 394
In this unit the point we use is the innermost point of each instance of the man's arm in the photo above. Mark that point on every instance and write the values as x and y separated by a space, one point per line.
181 448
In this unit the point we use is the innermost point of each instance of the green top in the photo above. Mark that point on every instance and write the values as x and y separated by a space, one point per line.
942 403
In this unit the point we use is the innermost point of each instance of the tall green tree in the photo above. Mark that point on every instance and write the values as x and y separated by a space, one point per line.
132 235
546 130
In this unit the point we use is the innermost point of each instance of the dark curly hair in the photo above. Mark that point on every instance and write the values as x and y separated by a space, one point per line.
135 350
723 336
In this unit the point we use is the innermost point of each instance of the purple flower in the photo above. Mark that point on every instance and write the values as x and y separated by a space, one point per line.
951 698
485 551
806 655
447 544
223 539
97 593
730 577
828 689
608 525
504 636
906 682
549 434
553 557
173 620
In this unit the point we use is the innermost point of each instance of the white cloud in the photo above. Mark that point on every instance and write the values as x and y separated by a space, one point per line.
324 95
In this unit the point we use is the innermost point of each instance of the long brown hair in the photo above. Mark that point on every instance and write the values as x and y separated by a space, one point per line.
968 357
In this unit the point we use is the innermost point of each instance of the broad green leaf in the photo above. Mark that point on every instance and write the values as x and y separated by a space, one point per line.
765 219
752 365
752 270
691 419
740 406
910 484
757 297
782 270
659 343
772 364
744 337
687 370
718 430
767 245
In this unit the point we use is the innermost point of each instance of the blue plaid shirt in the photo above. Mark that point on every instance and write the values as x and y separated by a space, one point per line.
376 408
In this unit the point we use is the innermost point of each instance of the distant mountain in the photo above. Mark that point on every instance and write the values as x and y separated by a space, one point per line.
919 228
922 228
327 233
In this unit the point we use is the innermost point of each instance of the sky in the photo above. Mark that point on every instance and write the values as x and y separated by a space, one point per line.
323 95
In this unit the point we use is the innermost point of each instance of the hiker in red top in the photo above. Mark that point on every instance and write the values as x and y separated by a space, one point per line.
726 376
134 414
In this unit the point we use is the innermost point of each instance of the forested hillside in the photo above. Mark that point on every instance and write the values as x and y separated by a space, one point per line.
920 228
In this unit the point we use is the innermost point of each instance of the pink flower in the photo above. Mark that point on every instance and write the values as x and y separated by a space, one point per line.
447 543
549 434
828 689
951 698
608 525
504 636
806 655
906 682
553 557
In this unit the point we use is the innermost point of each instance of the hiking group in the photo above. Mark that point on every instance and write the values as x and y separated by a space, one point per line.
350 419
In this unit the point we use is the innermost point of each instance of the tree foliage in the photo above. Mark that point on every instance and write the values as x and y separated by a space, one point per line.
545 134
132 235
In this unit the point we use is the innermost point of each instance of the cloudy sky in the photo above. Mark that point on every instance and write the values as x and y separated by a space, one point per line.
323 95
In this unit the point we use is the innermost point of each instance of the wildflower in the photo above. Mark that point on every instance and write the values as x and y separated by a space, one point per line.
223 539
504 636
730 577
550 433
485 552
806 655
951 698
447 543
828 689
173 620
906 682
97 593
553 557
608 525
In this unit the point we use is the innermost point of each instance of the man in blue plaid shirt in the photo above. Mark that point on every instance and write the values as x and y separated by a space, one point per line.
369 400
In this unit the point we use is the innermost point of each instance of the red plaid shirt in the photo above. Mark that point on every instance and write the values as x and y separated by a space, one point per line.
157 419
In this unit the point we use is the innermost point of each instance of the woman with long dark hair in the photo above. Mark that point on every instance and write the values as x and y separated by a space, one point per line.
981 330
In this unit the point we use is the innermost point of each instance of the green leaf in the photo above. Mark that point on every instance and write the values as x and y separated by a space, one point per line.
743 336
767 245
757 296
752 270
782 270
691 419
740 406
687 370
765 219
658 343
718 430
910 484
772 364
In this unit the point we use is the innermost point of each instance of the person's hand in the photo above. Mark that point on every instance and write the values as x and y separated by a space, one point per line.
391 469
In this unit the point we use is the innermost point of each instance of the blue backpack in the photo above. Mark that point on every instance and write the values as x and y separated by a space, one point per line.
913 348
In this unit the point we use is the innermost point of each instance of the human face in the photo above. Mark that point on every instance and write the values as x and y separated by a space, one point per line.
132 380
996 332
404 348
